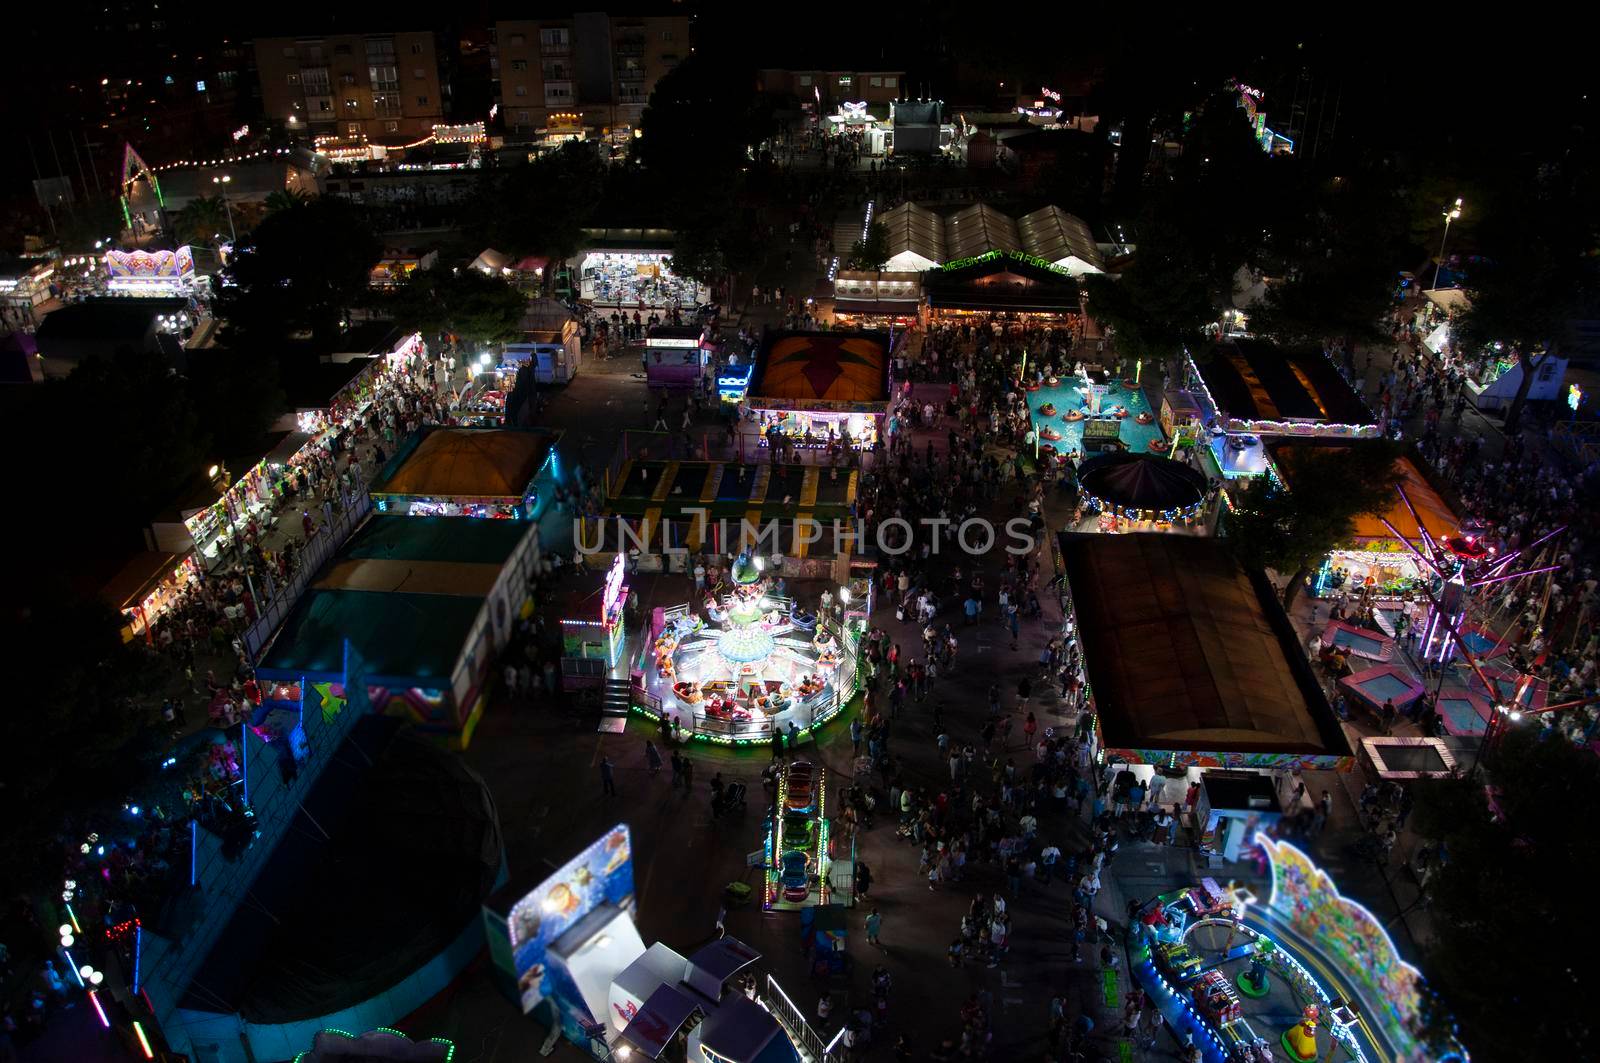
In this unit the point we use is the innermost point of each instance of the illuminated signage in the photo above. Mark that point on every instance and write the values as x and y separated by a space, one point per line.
1574 397
613 591
671 341
1255 94
242 132
1051 94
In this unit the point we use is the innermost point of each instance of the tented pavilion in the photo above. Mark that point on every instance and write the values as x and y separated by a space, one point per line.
1190 660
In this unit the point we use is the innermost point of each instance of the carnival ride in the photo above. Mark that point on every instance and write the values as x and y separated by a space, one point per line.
756 662
796 843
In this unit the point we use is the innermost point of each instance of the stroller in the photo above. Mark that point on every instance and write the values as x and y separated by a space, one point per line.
732 799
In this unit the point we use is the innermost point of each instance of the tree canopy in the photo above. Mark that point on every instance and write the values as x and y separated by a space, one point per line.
1291 529
872 252
539 207
300 269
1504 883
476 308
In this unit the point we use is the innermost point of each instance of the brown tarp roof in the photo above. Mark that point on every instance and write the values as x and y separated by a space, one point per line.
1184 651
410 576
470 463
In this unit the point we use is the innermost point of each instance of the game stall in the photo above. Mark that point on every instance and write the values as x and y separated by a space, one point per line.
677 357
1307 975
820 391
749 661
568 952
592 645
630 280
496 473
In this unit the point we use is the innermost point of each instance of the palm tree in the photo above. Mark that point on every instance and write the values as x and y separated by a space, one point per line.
201 220
286 200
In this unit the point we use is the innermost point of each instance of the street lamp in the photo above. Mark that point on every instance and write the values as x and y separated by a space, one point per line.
1449 216
233 237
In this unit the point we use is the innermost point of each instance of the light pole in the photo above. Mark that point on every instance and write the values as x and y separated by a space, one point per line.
1449 216
233 237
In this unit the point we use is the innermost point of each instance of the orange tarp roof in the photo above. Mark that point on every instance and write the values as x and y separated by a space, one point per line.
470 463
1436 514
830 367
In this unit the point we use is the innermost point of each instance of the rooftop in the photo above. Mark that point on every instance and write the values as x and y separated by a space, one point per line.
1186 651
810 367
1258 381
1437 515
411 636
467 463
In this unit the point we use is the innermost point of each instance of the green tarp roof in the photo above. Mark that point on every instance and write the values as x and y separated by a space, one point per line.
452 539
411 636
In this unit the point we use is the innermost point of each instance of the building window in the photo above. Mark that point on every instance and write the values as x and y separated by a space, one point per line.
341 49
347 79
384 78
288 51
325 103
422 101
315 79
294 79
666 35
889 83
519 64
805 81
314 53
517 38
845 81
876 83
554 41
416 49
522 90
522 117
555 70
391 127
418 73
353 128
351 104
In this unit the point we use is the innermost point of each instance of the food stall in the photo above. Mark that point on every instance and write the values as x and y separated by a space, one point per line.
820 391
677 357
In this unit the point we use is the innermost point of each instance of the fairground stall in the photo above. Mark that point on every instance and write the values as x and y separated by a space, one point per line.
499 473
426 603
1140 492
1249 389
153 273
567 951
1189 664
594 629
884 300
744 661
1305 974
554 354
1493 371
677 357
146 587
1376 561
630 269
822 395
998 281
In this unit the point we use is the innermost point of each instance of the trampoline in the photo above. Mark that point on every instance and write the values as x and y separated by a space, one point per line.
1506 681
1484 644
1463 712
1360 642
1384 682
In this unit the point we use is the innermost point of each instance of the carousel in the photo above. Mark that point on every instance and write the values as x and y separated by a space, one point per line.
751 663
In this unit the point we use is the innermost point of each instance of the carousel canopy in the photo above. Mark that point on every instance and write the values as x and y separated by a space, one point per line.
1141 481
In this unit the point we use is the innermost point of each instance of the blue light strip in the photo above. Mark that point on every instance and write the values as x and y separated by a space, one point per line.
138 954
194 851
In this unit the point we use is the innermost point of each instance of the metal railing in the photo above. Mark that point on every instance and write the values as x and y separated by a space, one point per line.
794 1023
312 557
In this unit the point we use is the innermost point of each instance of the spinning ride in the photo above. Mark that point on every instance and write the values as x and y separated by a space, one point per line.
761 662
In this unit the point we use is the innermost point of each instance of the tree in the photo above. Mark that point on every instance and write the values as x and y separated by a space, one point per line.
476 308
201 221
236 395
1291 529
1538 272
703 117
872 252
286 199
539 207
1507 875
90 697
1338 249
1159 304
300 270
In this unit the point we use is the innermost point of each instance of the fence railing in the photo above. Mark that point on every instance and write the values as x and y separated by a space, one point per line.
793 1021
312 557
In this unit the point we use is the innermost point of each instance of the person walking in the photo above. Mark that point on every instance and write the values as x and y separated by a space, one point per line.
874 924
652 757
677 768
608 785
855 737
688 776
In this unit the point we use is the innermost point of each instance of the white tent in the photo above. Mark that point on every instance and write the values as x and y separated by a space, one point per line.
916 239
491 262
1061 239
1450 300
978 230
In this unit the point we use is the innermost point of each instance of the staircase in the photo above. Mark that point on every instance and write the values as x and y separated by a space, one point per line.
615 700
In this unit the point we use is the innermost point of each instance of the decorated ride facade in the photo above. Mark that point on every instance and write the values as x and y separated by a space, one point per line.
822 396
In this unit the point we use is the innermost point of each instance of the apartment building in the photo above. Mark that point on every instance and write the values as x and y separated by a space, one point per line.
833 87
385 87
589 70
